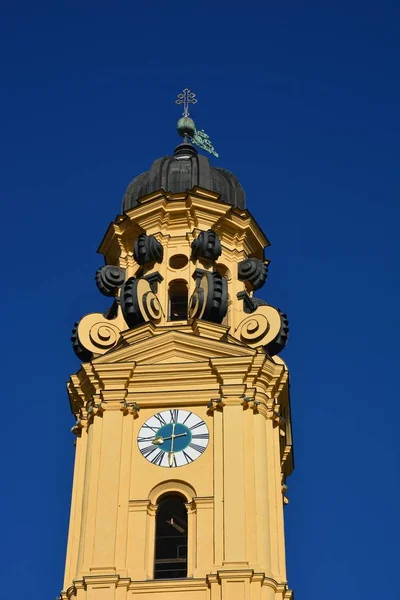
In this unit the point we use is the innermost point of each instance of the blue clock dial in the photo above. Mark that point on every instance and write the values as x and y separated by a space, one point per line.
176 437
173 438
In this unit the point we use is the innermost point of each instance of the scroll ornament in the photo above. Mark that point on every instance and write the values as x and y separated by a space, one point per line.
209 300
94 335
109 279
254 271
278 344
147 249
139 303
207 245
267 327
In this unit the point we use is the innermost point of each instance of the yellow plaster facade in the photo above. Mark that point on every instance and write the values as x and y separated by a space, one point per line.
234 492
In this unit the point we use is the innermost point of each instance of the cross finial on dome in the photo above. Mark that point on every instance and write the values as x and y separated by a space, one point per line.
187 128
186 97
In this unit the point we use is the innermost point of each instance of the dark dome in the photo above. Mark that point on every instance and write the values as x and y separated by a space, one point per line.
183 171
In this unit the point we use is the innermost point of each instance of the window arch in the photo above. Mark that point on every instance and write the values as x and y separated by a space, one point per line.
223 270
171 541
178 300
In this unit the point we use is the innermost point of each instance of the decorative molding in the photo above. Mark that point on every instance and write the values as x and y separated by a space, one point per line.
232 373
213 331
154 279
113 378
172 485
158 212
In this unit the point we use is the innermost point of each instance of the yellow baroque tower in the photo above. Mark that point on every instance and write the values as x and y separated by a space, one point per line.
183 435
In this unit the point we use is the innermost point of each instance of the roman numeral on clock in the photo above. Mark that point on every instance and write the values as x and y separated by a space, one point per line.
148 450
197 447
145 439
147 426
196 425
188 417
200 436
174 415
160 419
157 460
188 458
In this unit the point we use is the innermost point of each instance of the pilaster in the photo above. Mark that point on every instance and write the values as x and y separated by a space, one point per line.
205 535
75 523
232 375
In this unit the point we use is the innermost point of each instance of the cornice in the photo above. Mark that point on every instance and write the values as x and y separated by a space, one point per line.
165 214
204 502
169 586
233 371
172 586
271 378
112 579
146 373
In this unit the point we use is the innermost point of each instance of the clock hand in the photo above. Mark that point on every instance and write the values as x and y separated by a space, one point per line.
157 441
171 452
160 439
170 437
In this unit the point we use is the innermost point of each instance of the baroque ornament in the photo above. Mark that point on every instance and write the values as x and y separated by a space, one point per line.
139 303
278 344
266 327
209 300
147 249
254 271
94 335
207 245
109 279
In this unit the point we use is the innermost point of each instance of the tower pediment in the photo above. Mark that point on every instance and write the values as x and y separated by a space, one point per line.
173 345
152 363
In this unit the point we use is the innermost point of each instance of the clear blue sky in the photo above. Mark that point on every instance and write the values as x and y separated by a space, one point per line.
301 100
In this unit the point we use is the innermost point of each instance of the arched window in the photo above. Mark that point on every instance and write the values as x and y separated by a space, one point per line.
178 300
223 270
171 538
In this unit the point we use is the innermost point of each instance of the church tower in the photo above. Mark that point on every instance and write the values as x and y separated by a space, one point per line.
183 434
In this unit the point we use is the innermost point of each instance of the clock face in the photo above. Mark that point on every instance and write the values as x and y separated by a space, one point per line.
173 438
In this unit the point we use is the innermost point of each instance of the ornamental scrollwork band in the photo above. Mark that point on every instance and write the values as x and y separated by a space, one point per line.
136 301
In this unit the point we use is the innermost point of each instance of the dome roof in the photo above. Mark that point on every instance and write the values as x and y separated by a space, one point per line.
183 171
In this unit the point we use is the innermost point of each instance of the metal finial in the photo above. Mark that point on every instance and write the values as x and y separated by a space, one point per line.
187 128
186 97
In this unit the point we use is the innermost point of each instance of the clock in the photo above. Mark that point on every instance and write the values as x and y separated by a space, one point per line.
173 438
